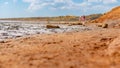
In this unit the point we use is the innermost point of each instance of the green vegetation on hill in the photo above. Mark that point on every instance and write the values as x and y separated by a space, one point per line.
93 16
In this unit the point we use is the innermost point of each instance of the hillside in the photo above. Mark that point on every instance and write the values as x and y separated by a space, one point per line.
112 15
57 18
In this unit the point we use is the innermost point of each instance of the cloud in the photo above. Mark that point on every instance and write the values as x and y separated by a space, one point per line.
56 4
67 4
37 4
14 1
103 1
94 0
109 1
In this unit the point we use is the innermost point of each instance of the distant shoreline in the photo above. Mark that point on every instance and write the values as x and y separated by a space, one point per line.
57 18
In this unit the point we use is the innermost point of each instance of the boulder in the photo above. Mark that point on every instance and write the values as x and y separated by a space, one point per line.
105 26
52 26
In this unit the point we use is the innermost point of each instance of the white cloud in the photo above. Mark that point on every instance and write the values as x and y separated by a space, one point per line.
66 4
56 4
94 0
103 1
109 1
34 6
37 4
30 1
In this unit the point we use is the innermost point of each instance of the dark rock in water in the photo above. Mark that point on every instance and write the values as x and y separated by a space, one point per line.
15 27
52 26
37 32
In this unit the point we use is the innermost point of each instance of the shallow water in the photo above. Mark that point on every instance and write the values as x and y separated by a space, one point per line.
18 29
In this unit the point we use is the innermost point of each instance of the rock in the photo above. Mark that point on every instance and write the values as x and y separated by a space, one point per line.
3 33
2 41
75 24
52 26
99 25
105 26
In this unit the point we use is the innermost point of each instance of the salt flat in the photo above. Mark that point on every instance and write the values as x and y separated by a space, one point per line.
14 29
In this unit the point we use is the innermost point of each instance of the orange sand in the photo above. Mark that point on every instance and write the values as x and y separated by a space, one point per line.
112 15
89 49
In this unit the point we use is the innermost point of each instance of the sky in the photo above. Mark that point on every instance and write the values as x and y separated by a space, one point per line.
42 8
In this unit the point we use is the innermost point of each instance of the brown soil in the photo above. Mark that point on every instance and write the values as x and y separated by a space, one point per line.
89 49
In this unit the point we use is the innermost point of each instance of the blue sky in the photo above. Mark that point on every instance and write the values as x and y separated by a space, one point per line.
35 8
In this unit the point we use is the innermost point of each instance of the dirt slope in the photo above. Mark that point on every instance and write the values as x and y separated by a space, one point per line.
112 15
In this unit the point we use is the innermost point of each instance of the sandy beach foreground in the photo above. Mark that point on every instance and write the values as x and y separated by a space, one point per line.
88 49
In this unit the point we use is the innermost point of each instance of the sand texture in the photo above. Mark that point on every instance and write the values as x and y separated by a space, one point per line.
88 49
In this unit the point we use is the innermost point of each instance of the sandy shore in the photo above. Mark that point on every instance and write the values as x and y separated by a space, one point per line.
88 49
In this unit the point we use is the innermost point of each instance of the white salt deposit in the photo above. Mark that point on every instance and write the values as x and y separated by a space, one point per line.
18 29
